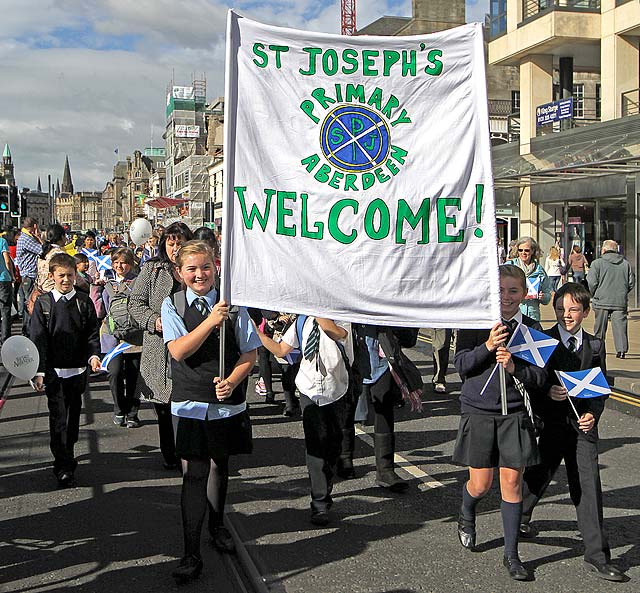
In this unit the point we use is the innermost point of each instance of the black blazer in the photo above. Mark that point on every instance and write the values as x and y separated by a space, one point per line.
591 354
475 364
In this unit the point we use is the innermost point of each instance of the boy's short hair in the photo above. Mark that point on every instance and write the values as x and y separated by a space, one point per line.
511 271
123 253
61 260
81 258
577 291
193 248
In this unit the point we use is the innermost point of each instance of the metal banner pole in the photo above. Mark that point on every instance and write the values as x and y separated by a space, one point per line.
503 389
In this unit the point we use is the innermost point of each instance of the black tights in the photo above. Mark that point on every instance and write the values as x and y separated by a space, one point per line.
204 484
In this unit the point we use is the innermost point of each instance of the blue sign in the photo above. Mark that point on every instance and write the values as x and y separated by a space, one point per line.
555 111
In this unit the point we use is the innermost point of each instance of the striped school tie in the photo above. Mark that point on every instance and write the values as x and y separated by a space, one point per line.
202 306
313 342
572 344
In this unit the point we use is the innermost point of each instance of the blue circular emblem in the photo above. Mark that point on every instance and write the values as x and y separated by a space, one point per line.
354 138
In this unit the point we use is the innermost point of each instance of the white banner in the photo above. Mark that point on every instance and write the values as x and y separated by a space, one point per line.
183 131
358 176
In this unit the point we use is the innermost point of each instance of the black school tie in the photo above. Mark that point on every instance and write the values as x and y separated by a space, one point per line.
572 344
313 342
202 306
511 326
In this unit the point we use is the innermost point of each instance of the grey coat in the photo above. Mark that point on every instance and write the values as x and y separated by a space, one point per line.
154 283
610 280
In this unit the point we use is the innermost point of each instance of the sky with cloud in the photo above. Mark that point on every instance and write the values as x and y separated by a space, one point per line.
84 77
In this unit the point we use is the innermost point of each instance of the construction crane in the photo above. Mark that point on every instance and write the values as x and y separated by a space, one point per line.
348 17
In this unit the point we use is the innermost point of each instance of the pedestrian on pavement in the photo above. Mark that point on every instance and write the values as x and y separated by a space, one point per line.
158 279
210 425
577 263
64 329
566 437
527 261
7 277
440 350
610 280
123 369
28 249
12 237
554 267
326 397
487 439
382 394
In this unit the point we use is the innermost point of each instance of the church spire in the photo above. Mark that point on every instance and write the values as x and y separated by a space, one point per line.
67 184
39 185
6 154
57 187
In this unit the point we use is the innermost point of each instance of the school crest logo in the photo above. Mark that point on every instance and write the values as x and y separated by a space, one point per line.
355 137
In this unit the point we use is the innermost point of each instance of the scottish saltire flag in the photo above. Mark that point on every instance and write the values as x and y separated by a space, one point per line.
103 262
90 253
585 384
119 349
533 286
531 345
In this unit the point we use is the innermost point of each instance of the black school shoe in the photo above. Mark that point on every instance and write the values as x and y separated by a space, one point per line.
515 568
527 531
222 540
606 571
65 479
188 569
466 533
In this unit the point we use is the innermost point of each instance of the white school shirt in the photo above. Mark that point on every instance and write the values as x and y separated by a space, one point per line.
324 379
565 335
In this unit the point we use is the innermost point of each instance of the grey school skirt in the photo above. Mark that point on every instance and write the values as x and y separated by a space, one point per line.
487 440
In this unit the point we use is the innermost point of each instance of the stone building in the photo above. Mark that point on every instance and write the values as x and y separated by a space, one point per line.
112 198
575 180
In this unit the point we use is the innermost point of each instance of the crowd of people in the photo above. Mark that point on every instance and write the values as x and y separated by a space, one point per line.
153 320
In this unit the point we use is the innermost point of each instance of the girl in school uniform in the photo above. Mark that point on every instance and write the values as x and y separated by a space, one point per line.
487 439
210 412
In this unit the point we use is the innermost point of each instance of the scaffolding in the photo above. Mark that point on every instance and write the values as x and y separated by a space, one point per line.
186 149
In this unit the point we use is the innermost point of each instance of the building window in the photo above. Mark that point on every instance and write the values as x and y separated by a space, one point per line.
515 101
578 100
498 18
598 101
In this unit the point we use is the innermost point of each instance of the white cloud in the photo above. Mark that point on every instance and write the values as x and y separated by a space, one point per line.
64 91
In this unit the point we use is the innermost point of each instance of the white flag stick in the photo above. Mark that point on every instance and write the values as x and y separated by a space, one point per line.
568 396
493 372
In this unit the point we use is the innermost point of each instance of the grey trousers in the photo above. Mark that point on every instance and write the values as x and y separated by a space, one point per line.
440 350
323 438
618 324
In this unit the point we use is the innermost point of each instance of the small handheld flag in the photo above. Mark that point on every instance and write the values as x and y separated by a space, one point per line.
119 349
533 286
90 253
585 384
531 345
103 262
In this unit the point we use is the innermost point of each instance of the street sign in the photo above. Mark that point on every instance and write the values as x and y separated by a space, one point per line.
554 111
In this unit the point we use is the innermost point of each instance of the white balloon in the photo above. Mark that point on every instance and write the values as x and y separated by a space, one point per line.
20 357
140 231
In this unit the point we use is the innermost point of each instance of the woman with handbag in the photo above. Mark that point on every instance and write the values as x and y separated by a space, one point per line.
157 280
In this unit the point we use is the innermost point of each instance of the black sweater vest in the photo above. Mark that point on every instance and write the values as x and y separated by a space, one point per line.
192 378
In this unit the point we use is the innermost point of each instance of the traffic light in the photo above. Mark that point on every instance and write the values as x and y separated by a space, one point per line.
14 201
5 190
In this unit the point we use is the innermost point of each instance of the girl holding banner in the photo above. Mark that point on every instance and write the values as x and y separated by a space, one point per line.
486 438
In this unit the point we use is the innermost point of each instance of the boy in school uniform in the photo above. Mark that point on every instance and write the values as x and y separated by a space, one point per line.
564 436
64 329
